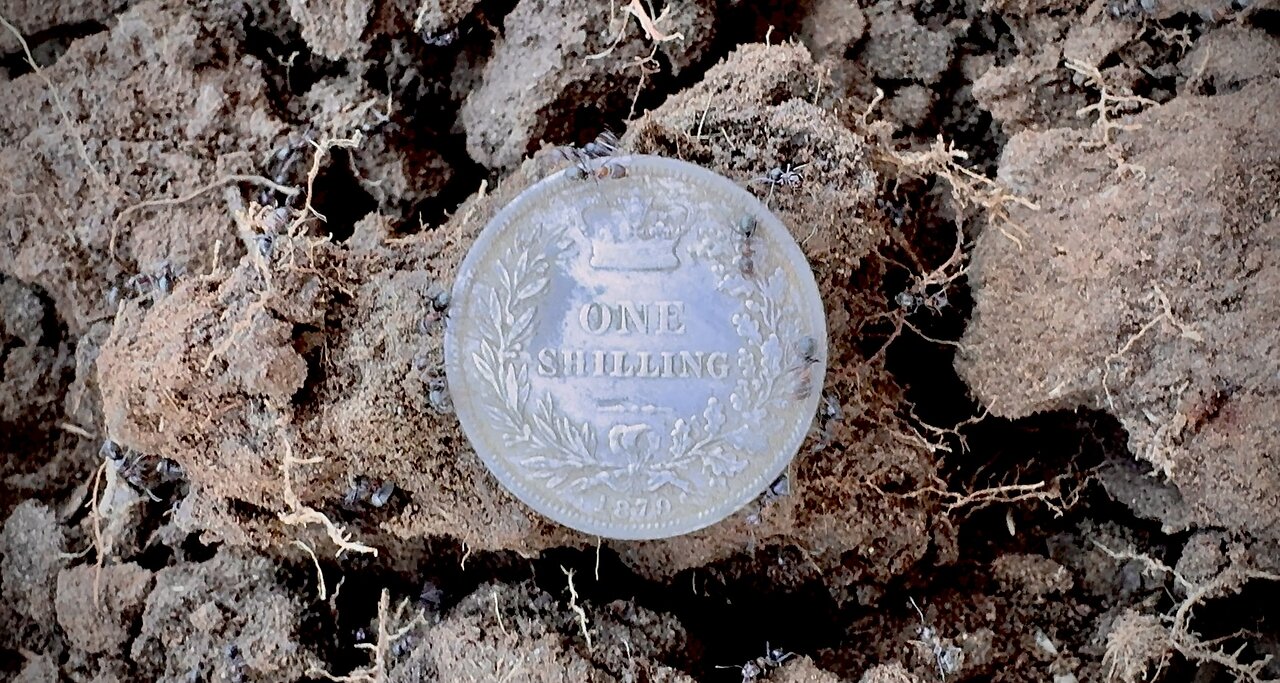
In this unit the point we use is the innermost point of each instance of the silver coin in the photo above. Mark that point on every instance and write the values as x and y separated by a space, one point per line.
635 347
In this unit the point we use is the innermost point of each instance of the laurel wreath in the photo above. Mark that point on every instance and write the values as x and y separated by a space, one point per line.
554 448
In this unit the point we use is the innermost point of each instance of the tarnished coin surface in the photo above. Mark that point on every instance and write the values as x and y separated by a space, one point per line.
635 347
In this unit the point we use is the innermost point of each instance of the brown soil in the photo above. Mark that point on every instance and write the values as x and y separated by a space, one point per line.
1044 233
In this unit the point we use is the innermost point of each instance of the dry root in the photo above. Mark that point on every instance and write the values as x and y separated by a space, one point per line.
183 199
924 285
577 609
954 501
322 592
1058 495
497 613
301 514
1158 447
99 545
322 149
391 628
968 189
1111 104
1164 316
649 24
1138 641
936 439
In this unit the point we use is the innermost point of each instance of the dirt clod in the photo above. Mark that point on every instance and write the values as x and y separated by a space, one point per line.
101 623
333 28
900 48
523 633
833 27
1193 282
226 618
548 53
31 543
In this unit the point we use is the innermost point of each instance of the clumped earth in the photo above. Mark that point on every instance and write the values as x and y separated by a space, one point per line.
1045 234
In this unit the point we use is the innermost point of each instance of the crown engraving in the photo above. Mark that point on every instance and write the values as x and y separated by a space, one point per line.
632 233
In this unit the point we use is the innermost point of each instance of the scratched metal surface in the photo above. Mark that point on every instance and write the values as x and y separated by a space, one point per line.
639 356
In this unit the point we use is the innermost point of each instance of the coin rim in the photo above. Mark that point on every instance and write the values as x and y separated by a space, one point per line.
472 424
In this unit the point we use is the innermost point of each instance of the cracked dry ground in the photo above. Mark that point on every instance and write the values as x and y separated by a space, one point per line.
1046 235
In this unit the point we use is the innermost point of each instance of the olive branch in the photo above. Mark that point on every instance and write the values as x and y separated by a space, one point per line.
504 333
